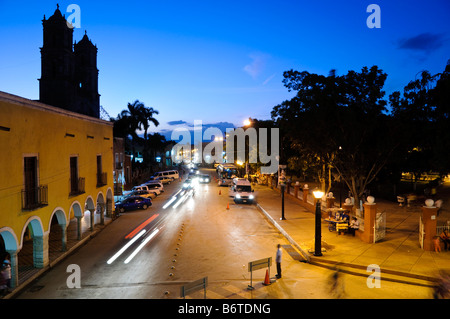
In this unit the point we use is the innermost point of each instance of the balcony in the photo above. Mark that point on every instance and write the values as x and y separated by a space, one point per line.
35 197
77 186
102 179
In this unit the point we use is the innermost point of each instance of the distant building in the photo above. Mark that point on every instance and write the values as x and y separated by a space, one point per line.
69 74
122 167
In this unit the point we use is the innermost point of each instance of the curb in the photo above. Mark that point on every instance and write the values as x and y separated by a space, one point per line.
304 254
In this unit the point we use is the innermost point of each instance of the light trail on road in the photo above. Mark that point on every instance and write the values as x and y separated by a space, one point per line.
122 250
134 253
141 226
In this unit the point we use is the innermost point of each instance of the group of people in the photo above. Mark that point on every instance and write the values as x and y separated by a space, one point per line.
5 276
353 224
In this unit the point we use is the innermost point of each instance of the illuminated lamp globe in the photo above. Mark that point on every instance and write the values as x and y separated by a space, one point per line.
370 200
318 194
429 202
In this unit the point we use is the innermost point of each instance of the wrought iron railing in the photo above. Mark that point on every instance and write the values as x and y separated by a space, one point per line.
77 186
101 179
34 198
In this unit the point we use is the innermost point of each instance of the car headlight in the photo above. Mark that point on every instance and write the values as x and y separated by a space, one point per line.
238 196
251 197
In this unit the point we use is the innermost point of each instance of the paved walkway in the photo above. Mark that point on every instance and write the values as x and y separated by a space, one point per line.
398 253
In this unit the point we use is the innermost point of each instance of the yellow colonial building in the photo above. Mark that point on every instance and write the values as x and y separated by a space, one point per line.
55 168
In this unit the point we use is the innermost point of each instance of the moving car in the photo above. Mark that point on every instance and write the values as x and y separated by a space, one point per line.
204 178
188 187
132 203
241 191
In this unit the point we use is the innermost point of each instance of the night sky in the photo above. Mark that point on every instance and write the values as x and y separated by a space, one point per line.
223 61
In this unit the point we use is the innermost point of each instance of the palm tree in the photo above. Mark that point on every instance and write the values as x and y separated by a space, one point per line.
136 117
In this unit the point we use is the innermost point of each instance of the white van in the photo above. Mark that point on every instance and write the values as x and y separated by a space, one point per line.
241 191
169 174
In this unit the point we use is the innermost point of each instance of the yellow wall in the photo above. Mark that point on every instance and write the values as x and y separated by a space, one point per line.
40 129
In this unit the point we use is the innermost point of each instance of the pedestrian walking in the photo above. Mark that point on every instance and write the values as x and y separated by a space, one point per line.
278 261
336 283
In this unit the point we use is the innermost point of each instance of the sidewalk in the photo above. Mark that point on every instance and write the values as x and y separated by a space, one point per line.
399 253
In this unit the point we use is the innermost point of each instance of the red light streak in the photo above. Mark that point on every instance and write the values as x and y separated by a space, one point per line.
137 229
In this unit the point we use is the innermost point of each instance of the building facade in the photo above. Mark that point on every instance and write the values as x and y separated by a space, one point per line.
55 166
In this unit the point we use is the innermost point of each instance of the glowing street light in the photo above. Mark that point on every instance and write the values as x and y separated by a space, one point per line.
318 194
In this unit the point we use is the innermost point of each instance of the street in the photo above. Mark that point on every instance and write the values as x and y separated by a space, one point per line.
207 235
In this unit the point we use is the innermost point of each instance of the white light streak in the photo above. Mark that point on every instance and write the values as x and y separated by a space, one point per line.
182 198
121 251
141 246
169 202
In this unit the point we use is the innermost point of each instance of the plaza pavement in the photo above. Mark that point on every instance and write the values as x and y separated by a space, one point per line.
398 255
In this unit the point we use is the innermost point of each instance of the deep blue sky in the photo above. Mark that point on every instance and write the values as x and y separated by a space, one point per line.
222 61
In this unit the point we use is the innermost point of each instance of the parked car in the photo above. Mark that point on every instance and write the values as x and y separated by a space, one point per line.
157 188
140 188
170 174
144 193
204 178
132 203
164 179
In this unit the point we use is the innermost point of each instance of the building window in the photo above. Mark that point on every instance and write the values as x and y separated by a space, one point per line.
76 183
33 194
101 176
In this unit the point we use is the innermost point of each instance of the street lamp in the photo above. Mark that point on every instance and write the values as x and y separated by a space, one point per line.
318 194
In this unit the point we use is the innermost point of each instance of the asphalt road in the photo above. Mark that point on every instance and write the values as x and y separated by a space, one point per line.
207 235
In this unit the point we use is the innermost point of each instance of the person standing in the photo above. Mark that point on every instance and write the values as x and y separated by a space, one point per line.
6 274
278 261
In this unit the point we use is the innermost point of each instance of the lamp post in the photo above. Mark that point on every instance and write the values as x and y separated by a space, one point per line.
318 194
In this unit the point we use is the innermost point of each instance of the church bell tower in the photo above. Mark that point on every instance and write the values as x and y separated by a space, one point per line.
69 74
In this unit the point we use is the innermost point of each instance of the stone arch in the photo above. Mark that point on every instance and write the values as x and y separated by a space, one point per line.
10 246
57 229
77 210
89 206
100 206
89 203
60 216
9 238
34 253
78 213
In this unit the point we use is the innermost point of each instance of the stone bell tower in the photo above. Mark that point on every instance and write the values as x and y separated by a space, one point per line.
69 74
